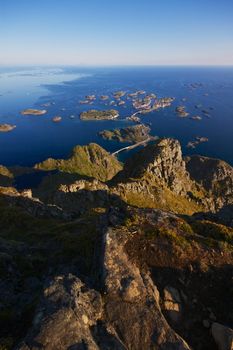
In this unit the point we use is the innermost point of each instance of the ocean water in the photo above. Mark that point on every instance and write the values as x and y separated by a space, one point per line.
38 137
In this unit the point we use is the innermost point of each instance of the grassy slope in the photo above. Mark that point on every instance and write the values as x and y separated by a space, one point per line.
91 160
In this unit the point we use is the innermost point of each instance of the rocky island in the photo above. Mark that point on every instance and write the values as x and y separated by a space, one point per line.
91 97
118 94
151 103
7 127
136 93
104 97
134 118
196 117
143 104
181 111
57 119
130 134
31 111
94 114
197 141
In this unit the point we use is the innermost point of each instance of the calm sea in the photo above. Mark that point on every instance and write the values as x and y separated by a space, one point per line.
38 137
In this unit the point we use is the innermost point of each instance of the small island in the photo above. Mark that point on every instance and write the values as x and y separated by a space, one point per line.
197 141
47 104
31 111
104 97
6 127
134 118
135 133
136 93
181 111
163 102
151 103
85 102
57 119
94 114
119 94
206 113
196 117
91 97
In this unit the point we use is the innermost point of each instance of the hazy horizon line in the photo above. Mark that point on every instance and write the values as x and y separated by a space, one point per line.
109 65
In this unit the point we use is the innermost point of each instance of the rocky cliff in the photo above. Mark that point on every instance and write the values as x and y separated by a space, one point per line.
88 263
215 176
162 162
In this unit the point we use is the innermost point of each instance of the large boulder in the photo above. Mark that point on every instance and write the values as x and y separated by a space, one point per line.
172 303
66 313
132 301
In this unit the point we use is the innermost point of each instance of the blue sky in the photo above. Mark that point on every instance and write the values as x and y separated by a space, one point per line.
122 32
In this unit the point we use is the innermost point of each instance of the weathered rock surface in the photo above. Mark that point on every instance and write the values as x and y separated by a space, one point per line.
223 336
172 303
215 176
132 305
156 177
163 161
128 254
67 311
33 206
128 316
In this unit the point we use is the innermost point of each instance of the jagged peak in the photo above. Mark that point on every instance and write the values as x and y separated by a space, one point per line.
161 160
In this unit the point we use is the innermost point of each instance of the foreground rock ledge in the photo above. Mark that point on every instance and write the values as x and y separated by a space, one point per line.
73 316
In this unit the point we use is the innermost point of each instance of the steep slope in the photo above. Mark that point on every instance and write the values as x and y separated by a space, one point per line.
162 161
91 160
215 176
6 177
156 177
93 273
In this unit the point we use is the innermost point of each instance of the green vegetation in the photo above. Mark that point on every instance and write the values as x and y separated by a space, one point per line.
93 114
6 177
34 246
135 133
31 111
5 172
213 230
91 160
139 200
175 230
163 199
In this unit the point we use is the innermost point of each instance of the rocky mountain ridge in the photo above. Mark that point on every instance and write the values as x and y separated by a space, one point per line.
141 260
159 177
